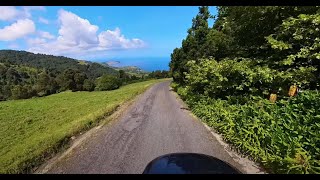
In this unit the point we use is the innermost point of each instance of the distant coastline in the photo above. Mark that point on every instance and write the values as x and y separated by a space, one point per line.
145 63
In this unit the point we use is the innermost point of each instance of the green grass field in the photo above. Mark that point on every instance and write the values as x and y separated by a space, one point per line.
32 129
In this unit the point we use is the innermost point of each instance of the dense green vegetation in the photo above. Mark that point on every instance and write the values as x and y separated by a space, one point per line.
159 74
132 70
108 82
284 136
227 72
24 75
130 77
33 128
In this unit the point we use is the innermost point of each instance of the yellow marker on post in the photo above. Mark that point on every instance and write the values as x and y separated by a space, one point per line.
273 98
293 90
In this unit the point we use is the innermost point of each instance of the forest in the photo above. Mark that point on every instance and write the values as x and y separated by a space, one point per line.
24 75
254 76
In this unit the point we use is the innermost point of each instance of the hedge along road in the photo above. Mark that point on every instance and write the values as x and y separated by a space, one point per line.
154 125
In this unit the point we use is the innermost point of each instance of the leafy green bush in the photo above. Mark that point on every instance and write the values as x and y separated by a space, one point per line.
88 85
298 40
284 137
296 45
108 82
241 76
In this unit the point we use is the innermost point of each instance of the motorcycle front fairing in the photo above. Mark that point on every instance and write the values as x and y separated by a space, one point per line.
189 163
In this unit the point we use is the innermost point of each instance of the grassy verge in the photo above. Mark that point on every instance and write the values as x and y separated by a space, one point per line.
33 129
284 136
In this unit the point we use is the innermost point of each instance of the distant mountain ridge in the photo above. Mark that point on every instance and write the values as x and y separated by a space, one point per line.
111 63
128 69
55 64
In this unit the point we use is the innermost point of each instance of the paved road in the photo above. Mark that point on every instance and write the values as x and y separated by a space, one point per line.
156 124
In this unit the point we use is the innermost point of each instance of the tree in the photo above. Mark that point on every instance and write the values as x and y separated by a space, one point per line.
164 74
88 85
108 82
296 45
217 45
200 27
6 89
12 76
79 78
42 86
249 25
237 32
124 77
122 74
66 81
41 75
176 65
71 79
193 47
3 70
19 92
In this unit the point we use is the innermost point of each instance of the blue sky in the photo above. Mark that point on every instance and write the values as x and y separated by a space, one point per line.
98 33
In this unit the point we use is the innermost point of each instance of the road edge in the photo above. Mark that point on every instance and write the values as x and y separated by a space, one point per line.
248 166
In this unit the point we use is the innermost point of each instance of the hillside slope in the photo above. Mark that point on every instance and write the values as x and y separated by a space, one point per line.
24 74
55 64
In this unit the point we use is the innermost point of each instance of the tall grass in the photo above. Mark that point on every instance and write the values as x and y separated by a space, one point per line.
284 136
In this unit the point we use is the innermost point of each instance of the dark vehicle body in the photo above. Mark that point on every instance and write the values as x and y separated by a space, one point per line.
189 163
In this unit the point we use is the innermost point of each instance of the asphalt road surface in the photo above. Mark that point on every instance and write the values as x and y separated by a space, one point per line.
154 125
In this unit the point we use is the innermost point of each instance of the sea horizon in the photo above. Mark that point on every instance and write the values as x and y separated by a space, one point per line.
145 63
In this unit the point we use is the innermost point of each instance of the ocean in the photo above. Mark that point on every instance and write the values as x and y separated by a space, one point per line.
145 63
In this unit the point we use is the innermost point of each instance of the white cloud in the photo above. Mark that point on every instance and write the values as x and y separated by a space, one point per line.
46 35
43 20
75 30
17 30
26 10
115 40
36 41
9 13
77 36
